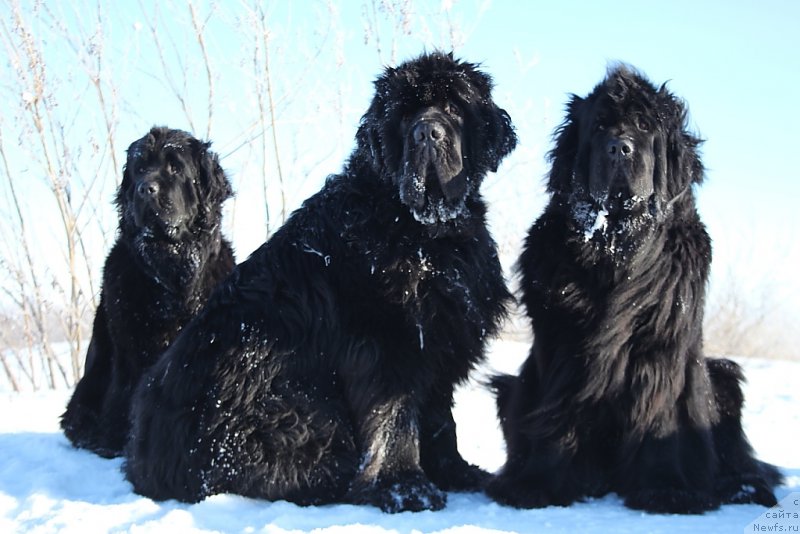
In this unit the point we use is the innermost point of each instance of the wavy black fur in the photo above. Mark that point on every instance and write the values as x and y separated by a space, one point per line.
323 369
168 256
616 395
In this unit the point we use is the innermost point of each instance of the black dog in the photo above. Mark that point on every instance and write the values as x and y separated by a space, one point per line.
323 369
168 256
616 394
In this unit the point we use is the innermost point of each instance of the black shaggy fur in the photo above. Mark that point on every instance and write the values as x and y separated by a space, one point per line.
168 256
616 395
323 369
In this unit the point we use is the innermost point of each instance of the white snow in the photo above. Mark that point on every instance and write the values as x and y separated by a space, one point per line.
600 223
47 486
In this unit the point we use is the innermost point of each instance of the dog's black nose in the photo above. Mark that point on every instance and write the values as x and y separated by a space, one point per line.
428 131
620 147
147 189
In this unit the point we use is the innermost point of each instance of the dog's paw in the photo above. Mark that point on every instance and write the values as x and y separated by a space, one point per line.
461 477
671 501
747 490
518 494
409 492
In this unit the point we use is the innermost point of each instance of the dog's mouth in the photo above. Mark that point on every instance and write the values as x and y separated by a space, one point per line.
433 183
428 202
620 176
621 204
162 232
608 207
610 219
156 225
437 210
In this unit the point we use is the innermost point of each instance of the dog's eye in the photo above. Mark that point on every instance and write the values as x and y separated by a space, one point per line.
642 124
173 168
141 170
600 121
452 110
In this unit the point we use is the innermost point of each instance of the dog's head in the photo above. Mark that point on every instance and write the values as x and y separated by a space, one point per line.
624 150
434 132
172 187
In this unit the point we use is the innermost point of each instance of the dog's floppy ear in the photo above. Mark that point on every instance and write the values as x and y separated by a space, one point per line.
136 151
213 181
368 136
501 137
564 154
682 146
127 178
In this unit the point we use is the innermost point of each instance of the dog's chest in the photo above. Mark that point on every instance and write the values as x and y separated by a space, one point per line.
418 278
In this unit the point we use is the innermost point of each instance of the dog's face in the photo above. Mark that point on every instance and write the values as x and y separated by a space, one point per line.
618 151
433 180
172 187
624 152
434 132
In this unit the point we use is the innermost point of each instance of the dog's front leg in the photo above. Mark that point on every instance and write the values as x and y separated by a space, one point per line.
390 476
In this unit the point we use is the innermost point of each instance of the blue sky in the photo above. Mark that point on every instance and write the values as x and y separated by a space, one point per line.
736 63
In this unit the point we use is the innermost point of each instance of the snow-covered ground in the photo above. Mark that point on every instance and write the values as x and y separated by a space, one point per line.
47 486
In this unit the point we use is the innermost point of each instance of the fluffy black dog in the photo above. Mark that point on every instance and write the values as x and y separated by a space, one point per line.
168 256
323 369
616 394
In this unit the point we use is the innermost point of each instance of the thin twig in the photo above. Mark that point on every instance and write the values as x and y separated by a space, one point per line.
198 31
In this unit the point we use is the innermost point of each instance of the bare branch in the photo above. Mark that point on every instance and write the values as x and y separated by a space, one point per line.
198 31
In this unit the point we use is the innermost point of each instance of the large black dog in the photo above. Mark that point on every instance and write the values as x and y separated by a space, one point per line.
616 394
323 369
168 256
